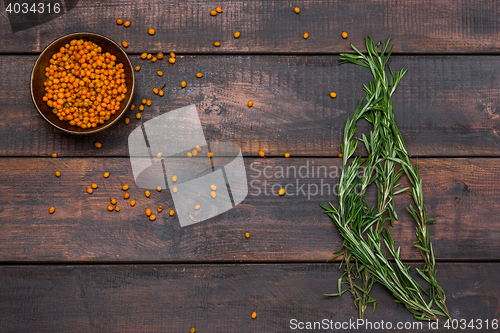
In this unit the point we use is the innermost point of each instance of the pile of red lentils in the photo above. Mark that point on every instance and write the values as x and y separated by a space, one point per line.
84 86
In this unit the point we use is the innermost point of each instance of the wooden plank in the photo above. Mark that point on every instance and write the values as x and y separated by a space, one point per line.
462 194
445 106
272 26
217 298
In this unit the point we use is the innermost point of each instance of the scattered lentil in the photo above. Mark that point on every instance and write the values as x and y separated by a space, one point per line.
160 209
158 188
58 174
151 31
113 201
287 155
171 60
94 186
132 107
213 187
237 34
52 210
159 154
306 35
141 107
213 194
197 207
340 155
127 24
171 213
147 194
148 103
281 191
174 178
189 154
106 175
125 44
138 115
198 148
172 55
250 103
218 10
247 234
254 315
119 21
90 190
199 75
132 203
213 12
117 208
137 68
154 59
210 154
125 187
152 217
159 55
261 153
344 34
144 55
149 56
297 10
183 84
127 121
148 212
126 195
161 93
155 91
110 208
216 44
97 145
174 189
54 155
333 95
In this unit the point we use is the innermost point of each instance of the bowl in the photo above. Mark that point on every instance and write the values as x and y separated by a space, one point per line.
38 78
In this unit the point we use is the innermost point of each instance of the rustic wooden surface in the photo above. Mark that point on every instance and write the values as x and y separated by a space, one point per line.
462 194
213 298
442 26
86 269
445 106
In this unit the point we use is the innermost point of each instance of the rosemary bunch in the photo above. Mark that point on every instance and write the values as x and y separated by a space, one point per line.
361 225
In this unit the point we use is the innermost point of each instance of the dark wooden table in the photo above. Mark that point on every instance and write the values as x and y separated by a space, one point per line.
84 269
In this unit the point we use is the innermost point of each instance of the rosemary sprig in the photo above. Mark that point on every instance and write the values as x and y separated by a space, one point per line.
362 226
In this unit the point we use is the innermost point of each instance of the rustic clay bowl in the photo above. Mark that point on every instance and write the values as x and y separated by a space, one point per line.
38 77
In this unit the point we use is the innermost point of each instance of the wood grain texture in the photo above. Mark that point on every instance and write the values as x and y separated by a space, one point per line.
214 298
445 106
273 27
462 194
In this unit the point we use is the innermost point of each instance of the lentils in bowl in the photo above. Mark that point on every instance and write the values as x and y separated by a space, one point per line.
82 83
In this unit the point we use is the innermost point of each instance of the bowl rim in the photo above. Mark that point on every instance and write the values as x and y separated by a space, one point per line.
91 130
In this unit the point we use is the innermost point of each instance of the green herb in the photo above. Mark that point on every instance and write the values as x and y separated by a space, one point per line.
361 225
